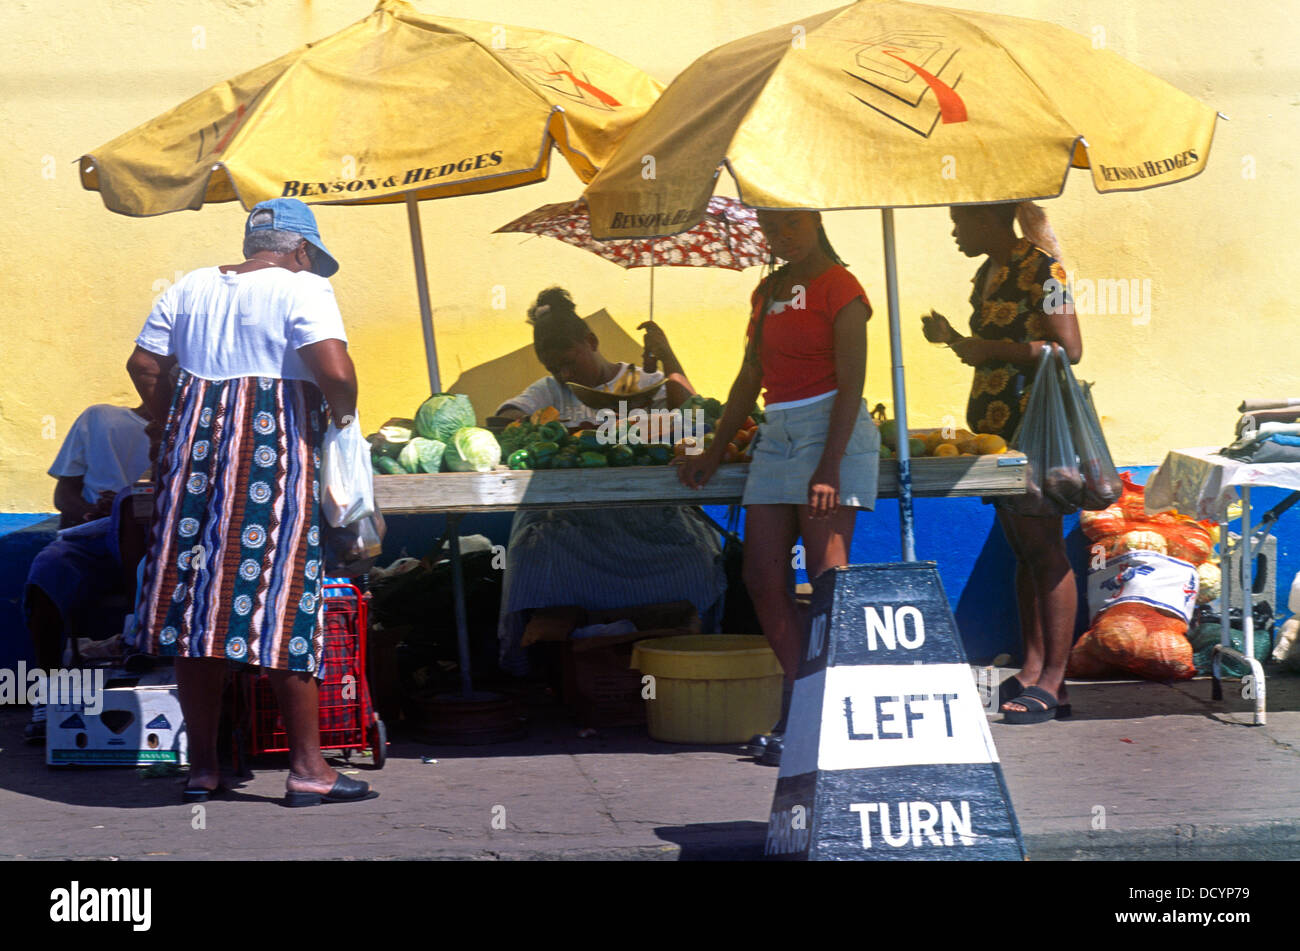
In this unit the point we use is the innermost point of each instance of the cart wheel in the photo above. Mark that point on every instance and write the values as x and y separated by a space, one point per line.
378 743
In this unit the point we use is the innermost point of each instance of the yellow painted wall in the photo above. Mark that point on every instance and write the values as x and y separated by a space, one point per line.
77 281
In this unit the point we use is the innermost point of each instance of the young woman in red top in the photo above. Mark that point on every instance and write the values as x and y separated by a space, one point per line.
816 459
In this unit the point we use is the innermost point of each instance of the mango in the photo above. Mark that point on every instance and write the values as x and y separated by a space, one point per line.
988 444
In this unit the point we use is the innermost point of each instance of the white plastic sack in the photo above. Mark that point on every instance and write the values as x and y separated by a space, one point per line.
347 481
1293 599
1144 577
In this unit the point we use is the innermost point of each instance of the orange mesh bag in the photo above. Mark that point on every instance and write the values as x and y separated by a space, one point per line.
1189 541
1185 539
1112 546
1097 525
1086 665
1133 500
1143 641
1134 536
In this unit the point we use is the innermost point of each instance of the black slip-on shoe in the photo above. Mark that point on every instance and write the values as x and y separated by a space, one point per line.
765 747
345 789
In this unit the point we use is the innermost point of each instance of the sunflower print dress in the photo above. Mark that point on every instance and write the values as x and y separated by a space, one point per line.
1012 309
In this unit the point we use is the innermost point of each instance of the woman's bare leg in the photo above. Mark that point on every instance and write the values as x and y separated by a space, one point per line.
770 534
1031 628
1051 579
827 540
298 695
199 683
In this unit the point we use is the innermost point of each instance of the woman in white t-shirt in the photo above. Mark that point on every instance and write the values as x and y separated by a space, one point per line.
234 567
600 558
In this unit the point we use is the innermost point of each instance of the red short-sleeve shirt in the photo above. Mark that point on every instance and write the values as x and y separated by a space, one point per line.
798 344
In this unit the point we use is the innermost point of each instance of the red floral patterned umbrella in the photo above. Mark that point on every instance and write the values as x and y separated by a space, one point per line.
728 236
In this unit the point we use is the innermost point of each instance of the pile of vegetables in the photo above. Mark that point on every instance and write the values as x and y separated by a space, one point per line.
713 409
442 437
541 441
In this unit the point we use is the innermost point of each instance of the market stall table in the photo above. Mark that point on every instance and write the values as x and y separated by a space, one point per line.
458 493
1202 483
507 489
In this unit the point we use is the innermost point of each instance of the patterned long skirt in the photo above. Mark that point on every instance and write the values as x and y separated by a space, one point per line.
234 565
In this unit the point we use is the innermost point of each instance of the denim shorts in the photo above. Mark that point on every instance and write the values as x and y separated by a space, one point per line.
789 446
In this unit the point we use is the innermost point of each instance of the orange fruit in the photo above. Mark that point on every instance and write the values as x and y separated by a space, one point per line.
988 444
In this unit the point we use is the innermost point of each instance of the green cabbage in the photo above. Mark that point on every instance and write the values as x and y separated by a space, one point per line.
442 414
422 455
472 450
392 436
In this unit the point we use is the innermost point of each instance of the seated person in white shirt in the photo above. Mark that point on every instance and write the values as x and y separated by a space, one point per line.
104 453
600 558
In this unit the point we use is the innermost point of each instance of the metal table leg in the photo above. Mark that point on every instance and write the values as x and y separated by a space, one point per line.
468 717
1247 579
1225 612
458 595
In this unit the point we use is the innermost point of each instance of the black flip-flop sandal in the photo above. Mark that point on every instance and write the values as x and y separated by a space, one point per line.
343 790
1046 703
1009 689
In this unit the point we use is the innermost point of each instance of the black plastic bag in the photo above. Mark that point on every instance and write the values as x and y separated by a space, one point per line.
352 550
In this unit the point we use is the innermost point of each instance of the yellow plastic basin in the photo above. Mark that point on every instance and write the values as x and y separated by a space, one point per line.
710 688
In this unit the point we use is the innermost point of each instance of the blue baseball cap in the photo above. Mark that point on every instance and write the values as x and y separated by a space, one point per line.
289 214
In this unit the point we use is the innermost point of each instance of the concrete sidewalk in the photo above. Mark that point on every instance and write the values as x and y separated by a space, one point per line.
1143 771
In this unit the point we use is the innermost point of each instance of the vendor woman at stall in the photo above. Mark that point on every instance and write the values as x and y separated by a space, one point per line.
600 558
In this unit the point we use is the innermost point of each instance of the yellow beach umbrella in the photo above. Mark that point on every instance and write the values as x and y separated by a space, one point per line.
399 107
882 104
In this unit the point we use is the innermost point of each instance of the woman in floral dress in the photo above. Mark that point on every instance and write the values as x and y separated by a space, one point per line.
1020 304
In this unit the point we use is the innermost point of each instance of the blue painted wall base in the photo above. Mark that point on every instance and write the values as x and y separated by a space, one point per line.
962 535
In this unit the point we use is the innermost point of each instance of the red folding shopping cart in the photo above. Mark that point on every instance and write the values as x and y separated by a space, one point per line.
348 721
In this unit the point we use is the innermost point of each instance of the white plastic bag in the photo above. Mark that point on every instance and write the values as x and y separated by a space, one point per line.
347 482
1293 600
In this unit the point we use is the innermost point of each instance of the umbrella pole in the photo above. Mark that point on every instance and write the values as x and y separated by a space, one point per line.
422 287
906 524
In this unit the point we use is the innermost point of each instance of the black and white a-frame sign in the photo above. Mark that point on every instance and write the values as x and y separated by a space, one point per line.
887 751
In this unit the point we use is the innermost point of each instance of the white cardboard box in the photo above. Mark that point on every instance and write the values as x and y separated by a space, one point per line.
137 726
